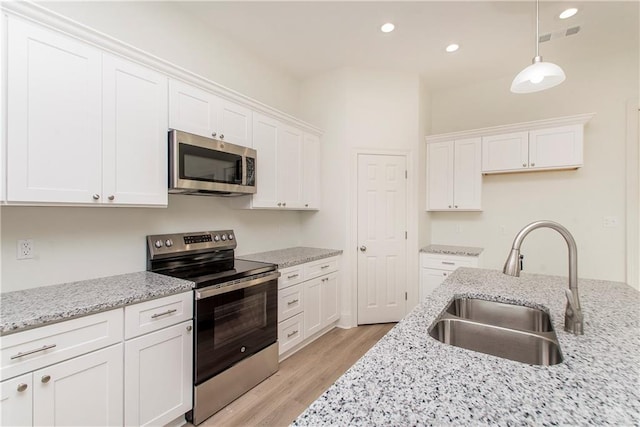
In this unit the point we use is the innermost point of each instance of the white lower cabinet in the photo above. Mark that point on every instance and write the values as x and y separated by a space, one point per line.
82 372
308 302
158 376
435 268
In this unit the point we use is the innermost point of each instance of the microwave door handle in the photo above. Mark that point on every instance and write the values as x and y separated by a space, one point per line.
221 289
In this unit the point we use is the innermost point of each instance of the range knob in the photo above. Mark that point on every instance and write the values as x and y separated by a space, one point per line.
216 238
158 244
223 237
168 243
231 237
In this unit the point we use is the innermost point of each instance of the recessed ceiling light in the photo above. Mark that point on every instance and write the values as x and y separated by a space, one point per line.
568 13
452 48
387 28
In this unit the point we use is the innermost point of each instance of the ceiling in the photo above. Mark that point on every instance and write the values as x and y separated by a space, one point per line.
497 38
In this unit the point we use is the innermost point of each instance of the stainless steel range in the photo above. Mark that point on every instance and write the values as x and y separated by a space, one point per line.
236 310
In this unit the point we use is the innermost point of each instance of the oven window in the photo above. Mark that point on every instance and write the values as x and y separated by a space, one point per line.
234 325
202 164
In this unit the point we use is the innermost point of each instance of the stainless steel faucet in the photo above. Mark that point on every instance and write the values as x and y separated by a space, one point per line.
573 319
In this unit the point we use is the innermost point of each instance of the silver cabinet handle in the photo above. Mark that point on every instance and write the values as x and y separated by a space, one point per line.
96 196
189 328
524 165
449 206
444 274
363 248
154 316
284 203
293 301
111 197
45 378
326 279
26 353
289 335
221 136
279 204
325 266
22 387
214 134
306 205
448 263
293 276
533 164
455 206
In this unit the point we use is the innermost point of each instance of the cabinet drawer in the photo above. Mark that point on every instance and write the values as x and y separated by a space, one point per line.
157 314
290 302
290 276
33 349
290 333
320 267
449 263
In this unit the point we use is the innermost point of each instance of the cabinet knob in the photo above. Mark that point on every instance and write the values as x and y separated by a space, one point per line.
111 197
189 328
214 134
363 248
444 274
279 204
306 205
456 206
222 136
533 164
22 387
284 204
45 378
449 206
96 196
524 165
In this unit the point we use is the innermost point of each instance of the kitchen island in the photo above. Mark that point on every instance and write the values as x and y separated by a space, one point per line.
409 378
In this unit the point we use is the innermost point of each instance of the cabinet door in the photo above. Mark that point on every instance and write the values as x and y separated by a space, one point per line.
290 167
330 299
508 152
158 376
312 307
135 143
83 391
440 164
556 147
235 123
265 141
53 116
467 177
192 109
16 401
429 280
311 171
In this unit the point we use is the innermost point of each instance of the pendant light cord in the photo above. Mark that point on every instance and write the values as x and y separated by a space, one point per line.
537 24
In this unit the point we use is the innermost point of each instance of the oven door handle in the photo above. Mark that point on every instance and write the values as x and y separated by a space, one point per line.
217 290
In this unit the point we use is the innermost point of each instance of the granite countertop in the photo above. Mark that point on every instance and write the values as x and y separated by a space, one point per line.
409 378
292 256
30 308
452 250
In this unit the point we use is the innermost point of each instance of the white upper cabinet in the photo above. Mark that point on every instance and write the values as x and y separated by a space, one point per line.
54 133
134 134
454 180
540 149
289 171
197 111
311 171
265 142
83 126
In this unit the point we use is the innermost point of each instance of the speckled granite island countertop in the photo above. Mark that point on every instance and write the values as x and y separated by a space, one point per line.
30 308
452 250
292 256
409 378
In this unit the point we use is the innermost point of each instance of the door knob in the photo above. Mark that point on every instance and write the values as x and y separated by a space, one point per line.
363 248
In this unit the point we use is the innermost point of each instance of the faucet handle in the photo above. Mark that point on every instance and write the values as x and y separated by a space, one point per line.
577 313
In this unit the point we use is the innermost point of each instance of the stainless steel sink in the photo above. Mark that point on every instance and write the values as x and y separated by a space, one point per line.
501 314
509 331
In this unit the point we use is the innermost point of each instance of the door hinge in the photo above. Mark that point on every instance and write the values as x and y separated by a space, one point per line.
405 296
406 174
405 235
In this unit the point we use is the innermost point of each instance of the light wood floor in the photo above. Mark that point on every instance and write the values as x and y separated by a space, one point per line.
302 378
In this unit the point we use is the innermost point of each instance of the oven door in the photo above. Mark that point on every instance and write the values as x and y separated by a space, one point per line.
234 322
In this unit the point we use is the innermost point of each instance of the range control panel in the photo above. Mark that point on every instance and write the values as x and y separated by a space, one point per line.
163 245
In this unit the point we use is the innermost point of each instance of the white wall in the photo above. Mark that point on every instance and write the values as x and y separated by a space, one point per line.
74 243
163 29
577 199
360 110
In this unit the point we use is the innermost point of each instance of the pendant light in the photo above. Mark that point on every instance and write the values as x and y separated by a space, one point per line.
539 75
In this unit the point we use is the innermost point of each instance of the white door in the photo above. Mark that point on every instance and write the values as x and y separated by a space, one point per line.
158 375
84 391
135 144
382 227
16 401
53 129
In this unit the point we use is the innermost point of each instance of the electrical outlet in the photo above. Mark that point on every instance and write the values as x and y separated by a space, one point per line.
610 221
25 249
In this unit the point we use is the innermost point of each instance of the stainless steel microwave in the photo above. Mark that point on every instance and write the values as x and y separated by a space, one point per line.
199 165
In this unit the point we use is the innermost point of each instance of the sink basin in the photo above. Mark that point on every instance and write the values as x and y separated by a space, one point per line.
509 331
501 314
